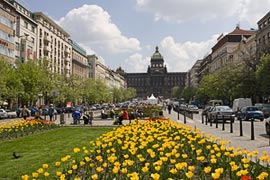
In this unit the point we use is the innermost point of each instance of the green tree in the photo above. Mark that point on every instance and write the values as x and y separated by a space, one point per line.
263 75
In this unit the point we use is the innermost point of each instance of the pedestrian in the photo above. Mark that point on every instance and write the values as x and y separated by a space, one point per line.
112 113
169 108
38 113
120 117
76 117
25 112
51 112
125 115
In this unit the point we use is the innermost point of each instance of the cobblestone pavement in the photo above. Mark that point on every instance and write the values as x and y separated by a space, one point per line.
243 142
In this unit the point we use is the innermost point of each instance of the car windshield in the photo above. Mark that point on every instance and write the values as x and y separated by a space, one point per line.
223 108
252 109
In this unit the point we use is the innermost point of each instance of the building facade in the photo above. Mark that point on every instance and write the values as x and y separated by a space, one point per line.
25 33
99 71
7 32
156 80
193 74
263 35
222 52
80 67
53 45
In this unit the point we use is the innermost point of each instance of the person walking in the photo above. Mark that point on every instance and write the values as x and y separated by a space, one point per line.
38 113
51 112
76 117
169 108
25 112
125 115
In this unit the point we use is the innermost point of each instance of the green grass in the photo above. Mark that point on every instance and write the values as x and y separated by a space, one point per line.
47 147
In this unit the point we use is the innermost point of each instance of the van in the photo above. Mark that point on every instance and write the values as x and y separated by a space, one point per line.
239 103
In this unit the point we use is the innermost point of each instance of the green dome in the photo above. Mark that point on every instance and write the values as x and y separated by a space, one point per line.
157 55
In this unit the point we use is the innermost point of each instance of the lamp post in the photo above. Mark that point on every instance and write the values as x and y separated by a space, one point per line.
39 99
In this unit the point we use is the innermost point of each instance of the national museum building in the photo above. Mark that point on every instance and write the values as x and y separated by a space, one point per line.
156 80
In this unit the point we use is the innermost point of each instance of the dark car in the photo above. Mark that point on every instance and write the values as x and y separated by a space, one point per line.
59 110
249 112
265 108
68 109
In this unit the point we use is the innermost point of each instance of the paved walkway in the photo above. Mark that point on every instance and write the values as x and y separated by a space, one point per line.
244 142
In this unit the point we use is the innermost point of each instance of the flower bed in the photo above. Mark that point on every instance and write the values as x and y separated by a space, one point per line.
19 128
156 150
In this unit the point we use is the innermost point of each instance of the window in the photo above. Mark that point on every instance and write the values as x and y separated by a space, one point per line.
26 24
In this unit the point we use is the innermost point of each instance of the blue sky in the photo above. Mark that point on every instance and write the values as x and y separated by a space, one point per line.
125 32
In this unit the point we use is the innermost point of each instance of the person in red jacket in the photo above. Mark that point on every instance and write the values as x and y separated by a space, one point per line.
125 115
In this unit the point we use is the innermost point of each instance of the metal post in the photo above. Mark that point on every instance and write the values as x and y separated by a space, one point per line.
206 119
202 119
231 125
252 129
211 122
223 123
185 121
241 127
178 114
216 122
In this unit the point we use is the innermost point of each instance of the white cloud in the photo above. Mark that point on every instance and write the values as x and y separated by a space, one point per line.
180 57
136 63
92 26
203 10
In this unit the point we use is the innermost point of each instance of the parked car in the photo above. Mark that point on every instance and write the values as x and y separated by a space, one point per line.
249 112
265 108
193 109
218 113
3 114
11 114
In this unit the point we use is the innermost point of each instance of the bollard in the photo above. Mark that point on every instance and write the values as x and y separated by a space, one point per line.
191 115
206 119
185 121
241 127
216 122
68 114
211 122
55 116
223 123
231 125
178 115
202 119
252 129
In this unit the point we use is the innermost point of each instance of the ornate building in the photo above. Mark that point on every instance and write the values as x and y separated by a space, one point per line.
157 80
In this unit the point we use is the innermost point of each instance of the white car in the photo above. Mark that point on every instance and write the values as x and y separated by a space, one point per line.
3 114
11 114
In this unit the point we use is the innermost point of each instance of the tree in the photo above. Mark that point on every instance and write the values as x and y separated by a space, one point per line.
263 76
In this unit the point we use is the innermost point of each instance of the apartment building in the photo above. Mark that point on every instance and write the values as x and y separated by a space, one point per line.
80 67
53 45
25 33
263 35
7 25
99 71
222 51
193 74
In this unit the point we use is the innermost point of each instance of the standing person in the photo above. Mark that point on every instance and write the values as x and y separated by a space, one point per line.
169 108
25 112
120 117
76 117
125 115
112 113
51 112
38 113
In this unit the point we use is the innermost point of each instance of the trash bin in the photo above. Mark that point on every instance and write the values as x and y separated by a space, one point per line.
62 118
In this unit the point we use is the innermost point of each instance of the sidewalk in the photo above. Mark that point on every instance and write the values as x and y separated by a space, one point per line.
243 142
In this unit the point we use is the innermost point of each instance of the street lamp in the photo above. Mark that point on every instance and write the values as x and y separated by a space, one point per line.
39 99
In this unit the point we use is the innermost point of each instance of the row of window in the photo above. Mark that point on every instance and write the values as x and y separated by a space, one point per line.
6 36
6 51
6 22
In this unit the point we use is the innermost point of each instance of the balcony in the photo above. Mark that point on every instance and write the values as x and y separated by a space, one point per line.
47 38
47 48
67 50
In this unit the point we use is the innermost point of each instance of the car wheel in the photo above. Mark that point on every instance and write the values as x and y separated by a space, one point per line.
262 119
267 128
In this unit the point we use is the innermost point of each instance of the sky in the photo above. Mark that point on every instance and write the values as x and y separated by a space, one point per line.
124 33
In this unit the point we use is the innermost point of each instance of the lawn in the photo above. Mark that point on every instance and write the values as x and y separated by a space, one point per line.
47 147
